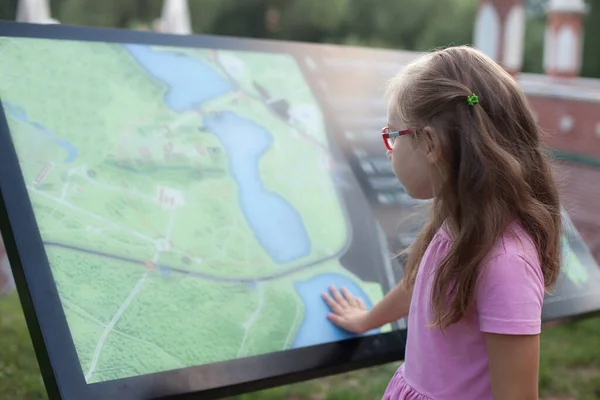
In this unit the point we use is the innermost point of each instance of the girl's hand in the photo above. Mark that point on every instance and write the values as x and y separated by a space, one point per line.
348 312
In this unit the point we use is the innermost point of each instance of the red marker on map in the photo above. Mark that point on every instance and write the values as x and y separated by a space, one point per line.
144 152
201 149
224 190
43 172
150 266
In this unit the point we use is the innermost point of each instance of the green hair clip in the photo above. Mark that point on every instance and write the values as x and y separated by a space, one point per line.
472 100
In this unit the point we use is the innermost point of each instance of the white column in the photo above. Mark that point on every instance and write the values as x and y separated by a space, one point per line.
487 30
514 38
500 32
34 11
175 18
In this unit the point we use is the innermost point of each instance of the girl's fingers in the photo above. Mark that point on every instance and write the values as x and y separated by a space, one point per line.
338 297
336 319
335 307
352 300
361 303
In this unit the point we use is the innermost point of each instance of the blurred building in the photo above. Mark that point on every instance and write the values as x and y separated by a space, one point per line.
500 32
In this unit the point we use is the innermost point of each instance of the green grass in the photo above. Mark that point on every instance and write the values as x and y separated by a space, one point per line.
570 366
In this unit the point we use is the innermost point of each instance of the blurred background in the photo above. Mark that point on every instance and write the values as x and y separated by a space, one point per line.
551 46
399 24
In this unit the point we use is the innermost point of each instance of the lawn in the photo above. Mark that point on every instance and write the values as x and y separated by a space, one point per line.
570 368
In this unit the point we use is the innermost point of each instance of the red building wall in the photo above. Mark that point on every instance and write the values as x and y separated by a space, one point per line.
579 183
583 137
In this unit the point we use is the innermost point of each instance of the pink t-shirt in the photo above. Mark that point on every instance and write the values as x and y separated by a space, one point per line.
509 297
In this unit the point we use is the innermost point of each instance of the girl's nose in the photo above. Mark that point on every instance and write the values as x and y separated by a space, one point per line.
388 154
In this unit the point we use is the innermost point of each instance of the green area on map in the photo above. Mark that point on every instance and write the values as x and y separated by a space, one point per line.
572 266
140 202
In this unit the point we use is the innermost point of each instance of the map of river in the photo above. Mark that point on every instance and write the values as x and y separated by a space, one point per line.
185 198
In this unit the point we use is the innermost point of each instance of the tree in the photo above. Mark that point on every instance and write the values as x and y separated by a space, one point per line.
8 9
208 15
313 20
591 41
534 44
110 13
451 22
536 8
241 18
398 23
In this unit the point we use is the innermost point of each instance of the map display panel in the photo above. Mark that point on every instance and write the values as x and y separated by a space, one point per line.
167 187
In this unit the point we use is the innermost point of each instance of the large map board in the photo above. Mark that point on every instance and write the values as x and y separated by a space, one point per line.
174 206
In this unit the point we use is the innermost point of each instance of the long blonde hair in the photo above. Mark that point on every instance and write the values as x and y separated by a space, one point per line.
493 167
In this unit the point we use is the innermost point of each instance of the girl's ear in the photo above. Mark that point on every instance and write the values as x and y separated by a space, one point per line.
433 145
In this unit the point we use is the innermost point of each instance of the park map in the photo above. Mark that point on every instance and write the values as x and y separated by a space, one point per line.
185 198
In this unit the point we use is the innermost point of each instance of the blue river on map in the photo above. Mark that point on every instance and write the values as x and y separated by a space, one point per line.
190 81
315 327
277 225
21 115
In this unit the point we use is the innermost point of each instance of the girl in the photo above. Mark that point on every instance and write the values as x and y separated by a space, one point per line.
460 132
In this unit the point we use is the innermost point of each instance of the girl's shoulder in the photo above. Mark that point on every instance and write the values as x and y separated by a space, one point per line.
514 260
516 241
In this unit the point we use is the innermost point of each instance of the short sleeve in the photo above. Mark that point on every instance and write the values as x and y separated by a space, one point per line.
510 295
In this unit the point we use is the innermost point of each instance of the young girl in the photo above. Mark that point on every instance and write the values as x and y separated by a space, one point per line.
460 132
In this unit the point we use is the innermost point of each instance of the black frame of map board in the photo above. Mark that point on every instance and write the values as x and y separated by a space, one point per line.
41 304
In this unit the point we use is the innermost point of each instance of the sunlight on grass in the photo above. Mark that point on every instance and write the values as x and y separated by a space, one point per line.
570 367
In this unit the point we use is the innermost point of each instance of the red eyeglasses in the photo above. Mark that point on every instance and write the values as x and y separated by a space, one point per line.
389 137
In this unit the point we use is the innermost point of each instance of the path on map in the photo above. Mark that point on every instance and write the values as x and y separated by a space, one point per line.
195 274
